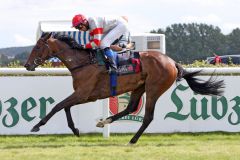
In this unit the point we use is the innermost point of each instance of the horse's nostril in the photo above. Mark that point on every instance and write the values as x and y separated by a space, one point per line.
26 65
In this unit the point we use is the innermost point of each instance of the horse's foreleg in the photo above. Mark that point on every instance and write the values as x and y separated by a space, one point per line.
70 121
148 117
66 103
132 106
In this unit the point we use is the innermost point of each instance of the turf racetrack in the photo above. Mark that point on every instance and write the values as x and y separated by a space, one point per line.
202 146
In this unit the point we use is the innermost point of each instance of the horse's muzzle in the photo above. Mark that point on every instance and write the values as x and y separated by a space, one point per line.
29 67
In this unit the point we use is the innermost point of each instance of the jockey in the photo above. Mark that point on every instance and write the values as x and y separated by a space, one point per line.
103 32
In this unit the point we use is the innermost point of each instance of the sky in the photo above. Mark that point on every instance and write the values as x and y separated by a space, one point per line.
19 18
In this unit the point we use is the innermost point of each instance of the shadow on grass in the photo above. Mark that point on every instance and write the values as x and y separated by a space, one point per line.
166 145
87 145
42 146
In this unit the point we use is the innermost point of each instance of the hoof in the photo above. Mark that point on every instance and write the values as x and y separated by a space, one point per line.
133 141
76 132
100 124
130 144
35 129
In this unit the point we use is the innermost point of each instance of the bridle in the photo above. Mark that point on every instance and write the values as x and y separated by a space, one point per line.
39 60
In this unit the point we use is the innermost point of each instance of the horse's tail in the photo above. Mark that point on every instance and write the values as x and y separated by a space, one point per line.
212 86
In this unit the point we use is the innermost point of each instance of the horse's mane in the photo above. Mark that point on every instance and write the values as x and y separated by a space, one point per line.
44 34
70 41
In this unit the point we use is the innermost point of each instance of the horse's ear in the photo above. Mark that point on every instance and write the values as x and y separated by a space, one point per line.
47 36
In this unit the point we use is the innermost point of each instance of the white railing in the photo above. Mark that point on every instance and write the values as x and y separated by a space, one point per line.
226 70
65 71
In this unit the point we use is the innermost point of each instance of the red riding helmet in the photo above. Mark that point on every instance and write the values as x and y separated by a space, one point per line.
78 19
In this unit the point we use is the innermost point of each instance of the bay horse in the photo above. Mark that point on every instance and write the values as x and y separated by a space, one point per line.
91 82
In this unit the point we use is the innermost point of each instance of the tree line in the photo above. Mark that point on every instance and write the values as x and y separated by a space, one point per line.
19 58
186 43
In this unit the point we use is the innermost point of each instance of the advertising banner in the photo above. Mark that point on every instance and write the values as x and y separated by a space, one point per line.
25 100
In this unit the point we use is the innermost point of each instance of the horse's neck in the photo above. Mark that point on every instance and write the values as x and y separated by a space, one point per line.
72 58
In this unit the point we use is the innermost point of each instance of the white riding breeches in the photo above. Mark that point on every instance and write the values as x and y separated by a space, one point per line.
120 29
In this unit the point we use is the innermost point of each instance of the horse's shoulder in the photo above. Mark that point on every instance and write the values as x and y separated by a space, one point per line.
153 54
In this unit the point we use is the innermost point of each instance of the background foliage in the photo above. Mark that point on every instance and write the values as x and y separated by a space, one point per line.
189 42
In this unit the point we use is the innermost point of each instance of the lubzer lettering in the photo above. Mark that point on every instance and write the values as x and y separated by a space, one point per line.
10 115
216 107
236 112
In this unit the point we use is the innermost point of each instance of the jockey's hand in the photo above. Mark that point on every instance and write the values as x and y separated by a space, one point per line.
82 46
116 48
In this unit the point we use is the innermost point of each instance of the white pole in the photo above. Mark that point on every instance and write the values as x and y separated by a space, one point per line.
106 128
162 44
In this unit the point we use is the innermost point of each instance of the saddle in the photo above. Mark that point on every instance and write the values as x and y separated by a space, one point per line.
128 62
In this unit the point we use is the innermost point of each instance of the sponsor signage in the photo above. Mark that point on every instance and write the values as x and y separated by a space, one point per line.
119 103
205 108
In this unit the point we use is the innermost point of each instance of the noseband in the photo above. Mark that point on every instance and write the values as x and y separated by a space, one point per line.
38 60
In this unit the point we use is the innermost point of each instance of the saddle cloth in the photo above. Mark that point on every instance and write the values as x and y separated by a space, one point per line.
127 62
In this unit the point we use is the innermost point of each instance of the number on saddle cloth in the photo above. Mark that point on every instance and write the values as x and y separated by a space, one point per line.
128 63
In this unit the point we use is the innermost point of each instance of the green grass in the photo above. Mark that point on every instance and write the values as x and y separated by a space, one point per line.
203 146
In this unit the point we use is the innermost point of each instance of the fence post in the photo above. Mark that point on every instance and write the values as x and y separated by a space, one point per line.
106 128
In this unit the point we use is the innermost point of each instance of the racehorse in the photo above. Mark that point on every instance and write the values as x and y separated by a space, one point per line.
91 82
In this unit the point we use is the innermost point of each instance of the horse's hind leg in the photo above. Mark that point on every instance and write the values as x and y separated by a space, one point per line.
66 103
148 117
132 106
70 121
155 87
